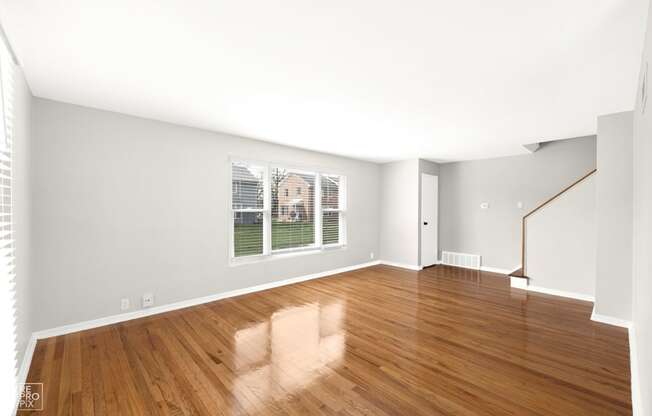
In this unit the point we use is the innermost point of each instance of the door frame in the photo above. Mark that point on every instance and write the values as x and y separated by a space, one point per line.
425 217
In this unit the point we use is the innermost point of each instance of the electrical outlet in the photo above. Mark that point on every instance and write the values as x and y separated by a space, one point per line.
371 255
124 304
148 300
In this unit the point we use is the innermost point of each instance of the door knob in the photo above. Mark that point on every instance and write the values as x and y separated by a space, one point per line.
425 223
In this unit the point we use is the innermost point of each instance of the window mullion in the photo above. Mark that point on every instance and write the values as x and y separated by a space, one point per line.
267 211
318 211
232 230
342 230
342 206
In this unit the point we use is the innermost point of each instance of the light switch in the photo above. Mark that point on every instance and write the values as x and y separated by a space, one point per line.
484 205
519 205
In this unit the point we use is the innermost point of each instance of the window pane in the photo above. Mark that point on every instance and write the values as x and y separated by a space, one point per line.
247 186
248 233
331 228
293 209
330 199
330 192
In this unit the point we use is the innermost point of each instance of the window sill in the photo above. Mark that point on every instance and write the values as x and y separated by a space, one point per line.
284 254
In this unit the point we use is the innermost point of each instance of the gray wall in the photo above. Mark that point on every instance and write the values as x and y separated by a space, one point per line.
642 279
495 233
124 205
613 291
399 222
22 211
561 242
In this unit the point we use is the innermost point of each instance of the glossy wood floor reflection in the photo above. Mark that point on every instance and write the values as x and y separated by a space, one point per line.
377 341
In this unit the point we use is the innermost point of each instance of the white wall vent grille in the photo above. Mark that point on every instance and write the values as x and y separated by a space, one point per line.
469 261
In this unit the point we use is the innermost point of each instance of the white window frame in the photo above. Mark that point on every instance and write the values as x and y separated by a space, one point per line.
341 209
268 253
265 210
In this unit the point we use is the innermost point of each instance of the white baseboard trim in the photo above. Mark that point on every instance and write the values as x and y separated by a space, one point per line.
401 265
108 320
24 366
637 405
495 270
483 268
65 329
610 320
27 360
637 409
572 295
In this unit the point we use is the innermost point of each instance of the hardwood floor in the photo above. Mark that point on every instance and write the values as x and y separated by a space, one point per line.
376 341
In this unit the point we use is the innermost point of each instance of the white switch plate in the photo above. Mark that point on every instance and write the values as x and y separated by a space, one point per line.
148 300
519 205
371 255
124 304
484 205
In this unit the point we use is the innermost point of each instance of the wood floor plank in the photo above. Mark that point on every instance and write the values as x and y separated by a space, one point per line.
375 341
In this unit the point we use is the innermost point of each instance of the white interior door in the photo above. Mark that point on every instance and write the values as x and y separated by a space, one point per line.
429 219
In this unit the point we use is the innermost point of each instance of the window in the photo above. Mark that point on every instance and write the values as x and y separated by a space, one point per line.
248 209
7 267
332 212
268 219
293 219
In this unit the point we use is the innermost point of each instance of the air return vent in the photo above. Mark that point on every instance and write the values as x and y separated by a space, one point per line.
470 261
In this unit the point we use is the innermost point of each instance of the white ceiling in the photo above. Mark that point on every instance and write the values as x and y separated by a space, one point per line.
371 79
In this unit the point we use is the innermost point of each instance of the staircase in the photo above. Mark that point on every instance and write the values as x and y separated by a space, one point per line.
519 277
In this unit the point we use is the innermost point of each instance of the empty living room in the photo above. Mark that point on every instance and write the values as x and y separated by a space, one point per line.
347 208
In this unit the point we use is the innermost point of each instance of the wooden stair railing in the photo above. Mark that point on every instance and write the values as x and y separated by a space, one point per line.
522 271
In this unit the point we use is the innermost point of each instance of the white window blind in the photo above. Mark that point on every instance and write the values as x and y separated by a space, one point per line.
332 205
293 209
276 209
248 208
7 262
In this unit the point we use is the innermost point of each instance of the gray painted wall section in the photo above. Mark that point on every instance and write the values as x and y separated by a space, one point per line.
613 291
399 213
124 205
561 242
25 307
642 273
495 233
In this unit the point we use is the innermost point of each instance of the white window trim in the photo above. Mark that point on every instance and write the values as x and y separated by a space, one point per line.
268 253
341 209
232 211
